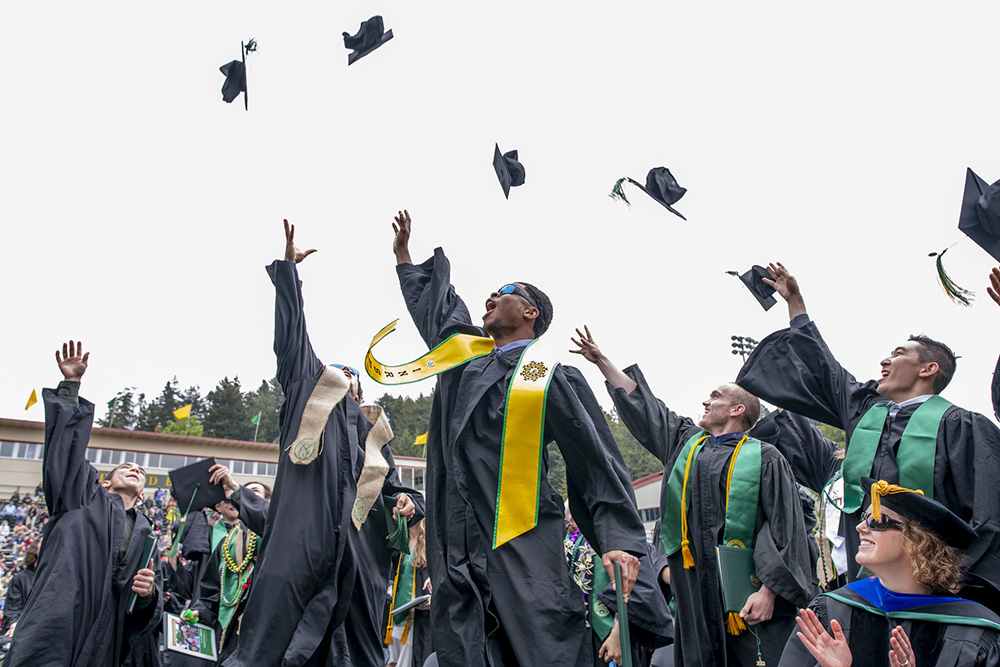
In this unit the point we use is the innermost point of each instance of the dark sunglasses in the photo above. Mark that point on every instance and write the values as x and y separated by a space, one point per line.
511 288
885 523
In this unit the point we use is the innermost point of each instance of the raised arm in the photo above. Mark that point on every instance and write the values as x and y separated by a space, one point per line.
787 287
68 479
436 310
994 292
588 349
295 355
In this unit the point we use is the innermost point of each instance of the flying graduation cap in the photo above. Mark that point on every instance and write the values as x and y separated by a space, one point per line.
660 185
235 72
754 280
510 172
370 36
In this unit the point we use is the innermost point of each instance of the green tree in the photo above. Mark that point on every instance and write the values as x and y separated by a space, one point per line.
227 416
160 410
267 402
409 417
123 413
831 432
182 427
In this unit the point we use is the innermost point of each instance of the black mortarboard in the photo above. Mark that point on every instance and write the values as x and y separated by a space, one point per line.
370 36
191 486
510 172
980 216
236 76
930 514
660 185
754 280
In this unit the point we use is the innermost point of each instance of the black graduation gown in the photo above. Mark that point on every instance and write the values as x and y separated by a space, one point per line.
17 595
305 574
934 644
514 605
365 623
794 369
76 614
781 555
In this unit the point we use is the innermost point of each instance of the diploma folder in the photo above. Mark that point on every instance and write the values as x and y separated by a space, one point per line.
737 577
147 554
415 602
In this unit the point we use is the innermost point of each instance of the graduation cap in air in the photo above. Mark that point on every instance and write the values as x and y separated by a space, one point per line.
370 36
236 75
754 280
510 172
192 488
660 185
980 216
913 505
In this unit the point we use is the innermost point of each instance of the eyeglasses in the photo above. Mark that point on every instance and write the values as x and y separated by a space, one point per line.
878 525
511 288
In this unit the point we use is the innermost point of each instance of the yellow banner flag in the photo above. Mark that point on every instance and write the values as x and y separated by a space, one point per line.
421 439
183 413
32 399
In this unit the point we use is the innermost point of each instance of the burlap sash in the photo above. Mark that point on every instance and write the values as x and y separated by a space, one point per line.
375 467
329 390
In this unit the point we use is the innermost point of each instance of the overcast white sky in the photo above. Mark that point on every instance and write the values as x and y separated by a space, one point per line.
138 210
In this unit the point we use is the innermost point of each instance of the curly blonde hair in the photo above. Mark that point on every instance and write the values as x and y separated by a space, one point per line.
420 548
935 564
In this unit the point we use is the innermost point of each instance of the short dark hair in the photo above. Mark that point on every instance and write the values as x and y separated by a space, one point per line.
267 489
751 403
936 351
544 306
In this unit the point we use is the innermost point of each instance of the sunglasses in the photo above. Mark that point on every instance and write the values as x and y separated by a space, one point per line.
511 288
885 523
353 370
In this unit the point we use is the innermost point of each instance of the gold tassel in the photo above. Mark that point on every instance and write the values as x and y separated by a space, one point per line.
686 552
735 624
884 488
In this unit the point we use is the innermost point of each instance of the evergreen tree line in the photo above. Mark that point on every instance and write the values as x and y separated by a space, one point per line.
226 412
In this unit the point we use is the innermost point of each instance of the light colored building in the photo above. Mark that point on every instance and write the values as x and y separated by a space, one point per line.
21 446
647 498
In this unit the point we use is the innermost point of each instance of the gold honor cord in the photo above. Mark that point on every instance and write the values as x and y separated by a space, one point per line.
521 450
453 351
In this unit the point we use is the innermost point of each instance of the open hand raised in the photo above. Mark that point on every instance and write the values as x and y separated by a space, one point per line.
73 362
586 346
401 242
292 253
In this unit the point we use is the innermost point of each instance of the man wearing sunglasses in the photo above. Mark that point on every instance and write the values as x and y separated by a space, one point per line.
898 428
323 557
509 603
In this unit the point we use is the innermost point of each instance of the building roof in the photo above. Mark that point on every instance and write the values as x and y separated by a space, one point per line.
648 479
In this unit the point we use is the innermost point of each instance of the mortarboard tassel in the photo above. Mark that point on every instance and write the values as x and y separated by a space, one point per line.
954 292
735 624
733 273
618 194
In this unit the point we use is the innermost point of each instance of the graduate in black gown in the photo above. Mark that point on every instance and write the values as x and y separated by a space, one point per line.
906 614
514 604
309 567
891 429
77 613
994 291
705 452
19 589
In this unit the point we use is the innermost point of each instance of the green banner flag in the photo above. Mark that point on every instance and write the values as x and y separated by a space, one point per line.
255 419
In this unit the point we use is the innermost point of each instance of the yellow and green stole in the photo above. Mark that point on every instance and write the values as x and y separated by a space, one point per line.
915 458
524 420
404 587
742 493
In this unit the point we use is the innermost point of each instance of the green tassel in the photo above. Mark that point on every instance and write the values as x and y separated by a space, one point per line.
618 194
955 293
734 273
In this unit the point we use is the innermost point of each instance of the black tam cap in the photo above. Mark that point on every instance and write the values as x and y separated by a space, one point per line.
510 172
980 217
191 485
930 514
370 36
754 280
660 185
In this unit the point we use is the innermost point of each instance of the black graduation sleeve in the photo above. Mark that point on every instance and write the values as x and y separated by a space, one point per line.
393 487
436 309
197 537
648 616
68 478
794 369
995 390
660 430
294 352
603 507
781 553
207 604
253 509
810 455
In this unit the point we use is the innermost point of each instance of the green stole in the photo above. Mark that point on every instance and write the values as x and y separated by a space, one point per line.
234 586
742 494
219 532
403 589
600 617
915 458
